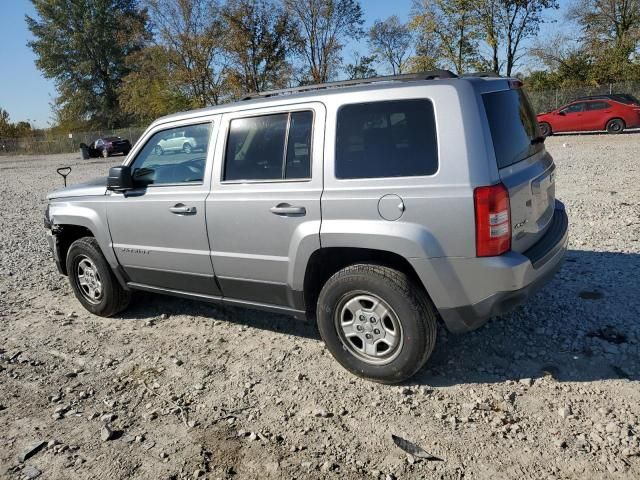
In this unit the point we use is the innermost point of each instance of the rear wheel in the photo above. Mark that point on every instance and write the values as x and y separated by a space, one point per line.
92 280
545 129
615 125
186 148
376 322
158 150
105 153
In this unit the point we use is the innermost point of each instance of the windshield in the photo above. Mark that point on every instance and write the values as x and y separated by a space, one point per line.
513 126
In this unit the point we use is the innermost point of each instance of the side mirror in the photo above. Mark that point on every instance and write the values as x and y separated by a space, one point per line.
120 178
561 113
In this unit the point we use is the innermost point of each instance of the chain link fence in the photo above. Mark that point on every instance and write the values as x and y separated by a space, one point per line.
62 143
547 100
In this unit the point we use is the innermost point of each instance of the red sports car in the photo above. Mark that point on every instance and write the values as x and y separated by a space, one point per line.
590 115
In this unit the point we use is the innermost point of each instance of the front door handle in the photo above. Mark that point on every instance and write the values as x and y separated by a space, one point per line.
285 209
181 209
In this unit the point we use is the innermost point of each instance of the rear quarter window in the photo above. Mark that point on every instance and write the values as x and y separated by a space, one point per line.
386 139
513 126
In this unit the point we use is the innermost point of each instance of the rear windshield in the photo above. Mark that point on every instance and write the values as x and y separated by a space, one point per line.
513 126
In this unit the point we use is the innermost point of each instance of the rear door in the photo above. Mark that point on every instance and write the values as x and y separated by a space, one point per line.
596 115
264 206
524 165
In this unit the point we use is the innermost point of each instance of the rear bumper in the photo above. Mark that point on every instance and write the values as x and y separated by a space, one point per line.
472 290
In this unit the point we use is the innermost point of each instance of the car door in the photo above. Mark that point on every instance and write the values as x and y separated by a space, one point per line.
570 118
264 207
595 114
158 228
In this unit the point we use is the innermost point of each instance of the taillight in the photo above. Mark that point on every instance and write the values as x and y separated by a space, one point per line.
493 220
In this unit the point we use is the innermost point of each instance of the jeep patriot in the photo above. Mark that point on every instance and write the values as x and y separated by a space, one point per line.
375 207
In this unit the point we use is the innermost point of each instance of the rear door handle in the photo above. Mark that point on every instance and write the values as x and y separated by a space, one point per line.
181 209
285 209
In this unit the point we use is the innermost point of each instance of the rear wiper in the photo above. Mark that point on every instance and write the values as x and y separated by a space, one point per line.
537 140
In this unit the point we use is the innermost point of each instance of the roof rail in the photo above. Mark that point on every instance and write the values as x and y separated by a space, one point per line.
407 77
483 75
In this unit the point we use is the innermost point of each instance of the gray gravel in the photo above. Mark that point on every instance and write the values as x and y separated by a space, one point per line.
191 390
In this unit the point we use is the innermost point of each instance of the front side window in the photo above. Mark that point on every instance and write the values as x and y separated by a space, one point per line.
575 108
269 147
386 139
176 155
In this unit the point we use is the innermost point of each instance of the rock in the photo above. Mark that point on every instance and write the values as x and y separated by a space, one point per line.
198 386
106 433
177 361
198 473
108 417
564 412
328 466
322 413
31 472
560 443
31 450
611 428
527 382
390 476
164 455
139 438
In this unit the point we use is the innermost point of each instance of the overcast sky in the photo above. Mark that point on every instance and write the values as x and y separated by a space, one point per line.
27 95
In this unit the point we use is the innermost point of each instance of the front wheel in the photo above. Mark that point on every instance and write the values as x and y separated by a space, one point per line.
615 126
376 322
92 280
105 153
545 129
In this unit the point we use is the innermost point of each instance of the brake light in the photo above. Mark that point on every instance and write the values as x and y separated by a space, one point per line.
514 84
493 220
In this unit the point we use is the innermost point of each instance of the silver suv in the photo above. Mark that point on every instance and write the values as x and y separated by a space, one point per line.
376 207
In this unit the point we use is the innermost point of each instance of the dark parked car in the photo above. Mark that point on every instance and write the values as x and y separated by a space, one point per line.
108 146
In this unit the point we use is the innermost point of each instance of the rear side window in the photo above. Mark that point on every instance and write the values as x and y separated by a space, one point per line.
597 105
269 147
386 139
513 126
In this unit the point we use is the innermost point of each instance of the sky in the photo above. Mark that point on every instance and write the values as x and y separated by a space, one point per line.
27 95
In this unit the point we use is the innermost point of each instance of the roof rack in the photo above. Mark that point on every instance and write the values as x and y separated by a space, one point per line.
407 77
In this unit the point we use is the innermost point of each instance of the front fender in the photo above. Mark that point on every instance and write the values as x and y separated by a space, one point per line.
90 214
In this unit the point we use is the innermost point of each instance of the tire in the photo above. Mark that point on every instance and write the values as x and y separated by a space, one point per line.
158 150
545 129
105 153
187 148
409 313
615 125
85 258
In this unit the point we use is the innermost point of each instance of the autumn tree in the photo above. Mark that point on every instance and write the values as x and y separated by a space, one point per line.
191 32
324 26
391 41
83 46
260 36
454 25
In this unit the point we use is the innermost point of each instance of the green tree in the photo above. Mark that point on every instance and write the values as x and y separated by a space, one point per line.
260 36
151 89
324 26
391 40
83 46
362 67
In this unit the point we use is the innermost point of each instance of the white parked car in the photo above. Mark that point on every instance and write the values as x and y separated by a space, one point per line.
176 142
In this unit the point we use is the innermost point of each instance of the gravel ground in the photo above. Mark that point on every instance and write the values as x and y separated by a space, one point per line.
178 389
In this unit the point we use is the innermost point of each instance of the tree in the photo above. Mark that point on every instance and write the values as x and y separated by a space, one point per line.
519 20
83 46
391 40
259 37
362 67
151 89
192 32
611 35
324 26
454 24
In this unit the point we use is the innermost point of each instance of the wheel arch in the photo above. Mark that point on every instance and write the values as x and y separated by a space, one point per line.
325 262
